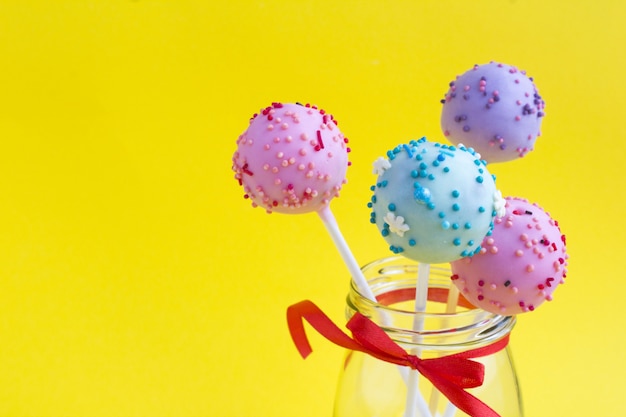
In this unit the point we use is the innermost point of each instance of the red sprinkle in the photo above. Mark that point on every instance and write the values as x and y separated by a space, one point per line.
245 170
320 144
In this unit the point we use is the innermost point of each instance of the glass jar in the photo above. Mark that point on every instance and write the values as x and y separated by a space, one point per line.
369 387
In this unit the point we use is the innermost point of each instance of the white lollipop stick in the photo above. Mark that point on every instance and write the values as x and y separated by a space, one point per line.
451 303
348 258
414 401
450 410
361 282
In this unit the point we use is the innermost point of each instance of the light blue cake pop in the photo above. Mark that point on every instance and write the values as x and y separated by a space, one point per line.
434 203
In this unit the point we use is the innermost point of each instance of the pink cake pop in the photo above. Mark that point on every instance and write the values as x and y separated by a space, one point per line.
495 109
521 263
291 159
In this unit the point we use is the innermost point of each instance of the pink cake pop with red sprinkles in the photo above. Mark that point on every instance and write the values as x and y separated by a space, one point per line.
520 264
495 109
291 159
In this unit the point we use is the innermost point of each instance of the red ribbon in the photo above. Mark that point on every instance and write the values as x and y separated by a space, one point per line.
451 374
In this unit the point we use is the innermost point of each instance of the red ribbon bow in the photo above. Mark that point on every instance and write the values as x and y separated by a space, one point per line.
451 374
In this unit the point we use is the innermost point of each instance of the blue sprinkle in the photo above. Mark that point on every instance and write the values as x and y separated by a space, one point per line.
446 169
384 183
373 188
396 249
408 150
456 207
445 225
470 243
414 174
456 242
476 162
391 155
441 158
370 205
481 209
468 225
456 193
374 199
391 207
421 194
384 232
436 163
373 220
431 177
412 242
423 166
442 215
455 226
479 179
430 205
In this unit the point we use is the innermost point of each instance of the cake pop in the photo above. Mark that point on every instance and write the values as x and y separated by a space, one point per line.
291 159
434 203
520 265
495 109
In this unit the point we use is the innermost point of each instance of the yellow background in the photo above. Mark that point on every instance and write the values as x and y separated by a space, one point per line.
136 281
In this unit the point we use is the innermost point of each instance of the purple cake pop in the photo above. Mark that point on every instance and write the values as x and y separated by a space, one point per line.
495 109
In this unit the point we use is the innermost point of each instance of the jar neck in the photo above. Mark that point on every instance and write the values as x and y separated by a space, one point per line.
393 281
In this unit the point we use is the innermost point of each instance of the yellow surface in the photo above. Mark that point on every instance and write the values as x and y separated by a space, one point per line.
136 281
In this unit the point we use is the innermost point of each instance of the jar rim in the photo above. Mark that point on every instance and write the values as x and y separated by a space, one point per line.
393 281
409 265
